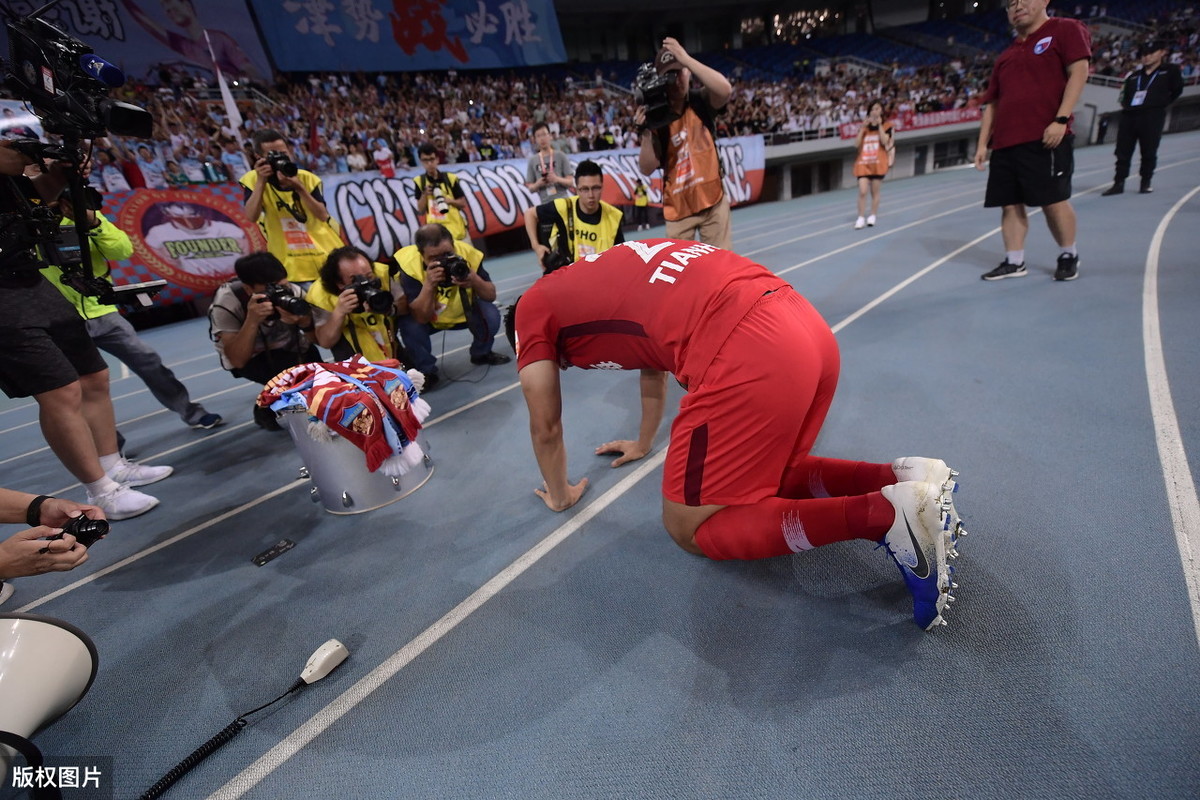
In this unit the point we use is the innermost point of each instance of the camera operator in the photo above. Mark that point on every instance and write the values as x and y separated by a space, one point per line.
585 224
548 171
354 308
47 353
694 201
112 332
439 194
26 552
289 202
447 288
256 335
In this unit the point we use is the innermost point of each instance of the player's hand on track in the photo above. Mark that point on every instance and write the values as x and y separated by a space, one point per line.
629 450
573 494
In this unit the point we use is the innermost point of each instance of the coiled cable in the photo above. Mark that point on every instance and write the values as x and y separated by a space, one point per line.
208 748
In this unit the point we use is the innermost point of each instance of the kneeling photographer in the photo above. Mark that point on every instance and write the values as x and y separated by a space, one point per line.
261 325
446 288
354 308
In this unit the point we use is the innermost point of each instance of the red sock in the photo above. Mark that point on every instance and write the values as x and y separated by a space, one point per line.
778 525
833 477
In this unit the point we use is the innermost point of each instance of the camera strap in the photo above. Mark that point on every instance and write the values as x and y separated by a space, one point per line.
571 201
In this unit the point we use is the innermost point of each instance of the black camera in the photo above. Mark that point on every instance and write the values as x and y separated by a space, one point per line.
554 259
281 164
456 267
281 298
86 531
67 84
650 90
370 295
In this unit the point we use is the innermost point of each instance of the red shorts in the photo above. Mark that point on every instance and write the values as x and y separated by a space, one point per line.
758 409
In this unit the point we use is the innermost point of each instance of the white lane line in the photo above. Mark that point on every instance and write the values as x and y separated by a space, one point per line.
1181 488
841 226
343 704
234 388
138 556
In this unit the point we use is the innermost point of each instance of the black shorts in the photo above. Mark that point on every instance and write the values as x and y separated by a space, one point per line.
44 343
1029 174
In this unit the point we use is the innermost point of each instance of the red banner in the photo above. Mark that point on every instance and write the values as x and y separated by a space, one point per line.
911 120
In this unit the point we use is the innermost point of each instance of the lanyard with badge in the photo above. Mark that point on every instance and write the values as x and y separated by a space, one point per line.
1139 96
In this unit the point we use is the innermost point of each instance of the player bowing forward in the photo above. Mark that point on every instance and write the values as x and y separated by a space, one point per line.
760 366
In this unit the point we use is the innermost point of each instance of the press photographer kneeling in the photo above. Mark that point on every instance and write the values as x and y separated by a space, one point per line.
354 307
261 325
446 288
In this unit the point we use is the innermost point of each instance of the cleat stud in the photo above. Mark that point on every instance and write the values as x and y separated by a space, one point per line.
944 623
953 585
950 598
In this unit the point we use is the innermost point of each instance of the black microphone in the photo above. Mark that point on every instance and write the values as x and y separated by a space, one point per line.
104 71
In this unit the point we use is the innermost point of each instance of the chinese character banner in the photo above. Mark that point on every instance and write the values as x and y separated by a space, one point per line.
143 36
409 35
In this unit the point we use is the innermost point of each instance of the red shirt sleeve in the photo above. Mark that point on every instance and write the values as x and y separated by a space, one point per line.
537 329
1076 42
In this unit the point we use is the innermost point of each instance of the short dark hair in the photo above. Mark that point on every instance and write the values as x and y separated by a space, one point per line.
426 149
431 235
588 168
538 126
263 136
258 268
329 272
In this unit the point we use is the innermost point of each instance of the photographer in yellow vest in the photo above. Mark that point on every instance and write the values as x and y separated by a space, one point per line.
287 202
440 196
565 230
446 288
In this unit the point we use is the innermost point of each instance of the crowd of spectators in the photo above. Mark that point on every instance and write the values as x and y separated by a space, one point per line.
337 123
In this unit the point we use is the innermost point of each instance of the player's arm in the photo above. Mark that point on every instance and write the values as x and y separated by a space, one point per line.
543 397
654 398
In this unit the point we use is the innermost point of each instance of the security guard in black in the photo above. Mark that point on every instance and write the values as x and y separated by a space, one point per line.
1144 99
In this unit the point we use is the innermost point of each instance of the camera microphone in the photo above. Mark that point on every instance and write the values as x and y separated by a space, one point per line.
104 71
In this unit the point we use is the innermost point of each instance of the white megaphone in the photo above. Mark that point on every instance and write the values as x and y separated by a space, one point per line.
46 667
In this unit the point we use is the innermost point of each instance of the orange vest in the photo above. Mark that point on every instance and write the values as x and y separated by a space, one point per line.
692 171
873 155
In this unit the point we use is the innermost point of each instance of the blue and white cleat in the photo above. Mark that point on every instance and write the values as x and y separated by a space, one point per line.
920 541
935 471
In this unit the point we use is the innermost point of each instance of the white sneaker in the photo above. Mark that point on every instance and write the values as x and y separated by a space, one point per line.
124 503
919 544
859 224
6 590
871 221
129 473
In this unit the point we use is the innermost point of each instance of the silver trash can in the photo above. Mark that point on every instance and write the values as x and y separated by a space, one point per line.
338 470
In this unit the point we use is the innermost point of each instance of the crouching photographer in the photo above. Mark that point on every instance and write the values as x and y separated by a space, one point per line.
261 325
446 288
354 306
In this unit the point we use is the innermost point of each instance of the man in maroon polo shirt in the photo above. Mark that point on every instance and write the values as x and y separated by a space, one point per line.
1034 87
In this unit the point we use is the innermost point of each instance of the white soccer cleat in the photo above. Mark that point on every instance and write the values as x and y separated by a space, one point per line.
920 543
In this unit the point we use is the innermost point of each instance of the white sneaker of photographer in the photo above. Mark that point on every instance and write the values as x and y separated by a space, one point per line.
123 502
130 473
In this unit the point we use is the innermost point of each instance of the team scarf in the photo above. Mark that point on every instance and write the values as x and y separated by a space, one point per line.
375 406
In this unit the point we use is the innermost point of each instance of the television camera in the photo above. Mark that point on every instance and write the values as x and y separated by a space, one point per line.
66 84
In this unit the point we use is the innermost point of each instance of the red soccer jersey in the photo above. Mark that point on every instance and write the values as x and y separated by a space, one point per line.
655 304
1029 78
